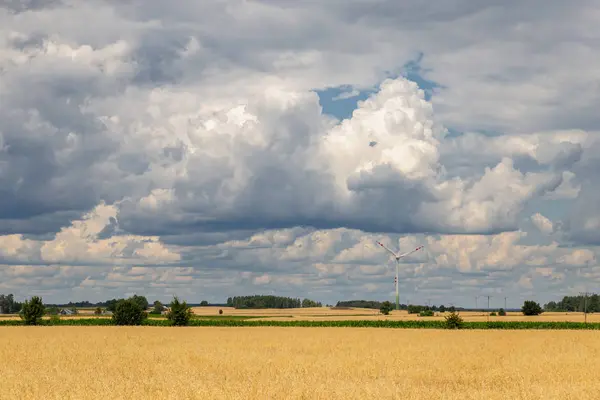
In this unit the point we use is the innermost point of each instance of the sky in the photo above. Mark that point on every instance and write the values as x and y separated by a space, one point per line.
239 147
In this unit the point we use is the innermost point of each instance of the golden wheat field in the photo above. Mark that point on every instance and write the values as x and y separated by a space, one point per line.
296 363
326 313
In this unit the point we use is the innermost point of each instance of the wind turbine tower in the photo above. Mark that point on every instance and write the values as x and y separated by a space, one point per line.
397 257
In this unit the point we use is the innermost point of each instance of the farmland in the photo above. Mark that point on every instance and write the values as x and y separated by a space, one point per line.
277 363
352 314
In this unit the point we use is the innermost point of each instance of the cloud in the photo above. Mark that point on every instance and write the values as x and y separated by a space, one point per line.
146 147
542 223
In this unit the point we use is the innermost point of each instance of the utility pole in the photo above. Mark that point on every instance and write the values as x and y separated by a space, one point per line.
585 295
504 303
476 302
489 302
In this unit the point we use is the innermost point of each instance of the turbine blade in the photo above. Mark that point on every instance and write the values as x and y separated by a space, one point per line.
410 252
382 245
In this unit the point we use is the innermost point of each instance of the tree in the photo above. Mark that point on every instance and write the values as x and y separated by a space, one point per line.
158 307
8 305
501 312
204 303
180 313
98 311
141 300
128 312
531 308
33 311
386 307
442 308
454 321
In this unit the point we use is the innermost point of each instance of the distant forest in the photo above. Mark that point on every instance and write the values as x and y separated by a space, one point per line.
261 301
8 305
575 303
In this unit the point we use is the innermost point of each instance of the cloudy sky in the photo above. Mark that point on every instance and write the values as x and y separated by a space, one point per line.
234 147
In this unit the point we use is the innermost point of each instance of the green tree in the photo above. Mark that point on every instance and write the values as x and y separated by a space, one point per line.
141 300
180 313
204 303
531 308
128 312
98 311
386 307
454 321
501 312
33 311
158 307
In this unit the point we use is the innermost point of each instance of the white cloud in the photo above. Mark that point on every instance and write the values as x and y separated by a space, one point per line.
542 223
142 144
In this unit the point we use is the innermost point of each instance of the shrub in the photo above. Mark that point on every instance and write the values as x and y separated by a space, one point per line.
220 312
180 313
128 312
412 309
531 308
426 313
98 311
33 311
454 321
385 308
493 314
502 313
158 308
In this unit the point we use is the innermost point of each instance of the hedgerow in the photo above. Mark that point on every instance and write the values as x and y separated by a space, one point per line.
223 322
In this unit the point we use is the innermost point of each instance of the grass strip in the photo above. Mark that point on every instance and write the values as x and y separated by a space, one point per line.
223 322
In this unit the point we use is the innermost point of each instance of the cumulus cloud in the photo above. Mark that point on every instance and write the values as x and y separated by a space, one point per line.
542 223
146 147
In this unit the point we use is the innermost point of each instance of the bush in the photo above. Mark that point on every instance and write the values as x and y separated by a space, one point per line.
220 312
454 321
128 312
180 313
426 313
412 309
33 311
158 308
98 311
502 313
493 314
385 308
531 308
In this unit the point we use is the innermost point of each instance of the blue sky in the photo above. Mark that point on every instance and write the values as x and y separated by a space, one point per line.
191 156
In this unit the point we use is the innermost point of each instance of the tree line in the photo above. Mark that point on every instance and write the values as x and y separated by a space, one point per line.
8 305
262 301
412 308
579 303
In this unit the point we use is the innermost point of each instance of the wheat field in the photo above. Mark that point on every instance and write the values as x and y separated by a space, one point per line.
326 313
296 363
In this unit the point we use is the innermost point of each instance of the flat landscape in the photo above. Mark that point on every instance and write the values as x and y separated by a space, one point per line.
296 363
326 313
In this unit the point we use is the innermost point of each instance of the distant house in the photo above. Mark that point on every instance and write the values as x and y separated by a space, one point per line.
66 312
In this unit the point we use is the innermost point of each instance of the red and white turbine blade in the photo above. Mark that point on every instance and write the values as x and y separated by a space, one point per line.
382 245
410 252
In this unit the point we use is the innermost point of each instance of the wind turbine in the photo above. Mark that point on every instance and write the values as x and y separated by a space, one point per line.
398 257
